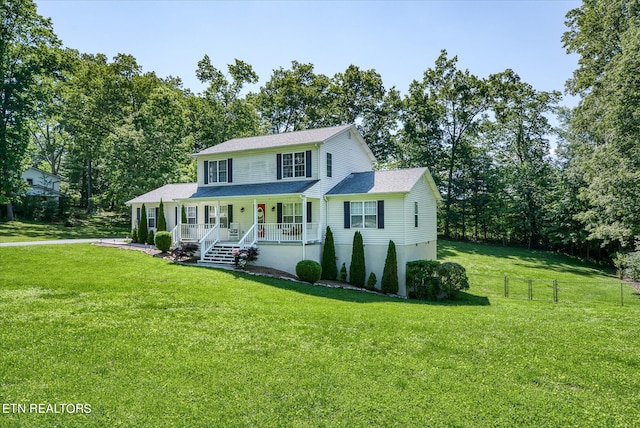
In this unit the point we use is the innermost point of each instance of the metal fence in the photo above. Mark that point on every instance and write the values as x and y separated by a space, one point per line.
554 290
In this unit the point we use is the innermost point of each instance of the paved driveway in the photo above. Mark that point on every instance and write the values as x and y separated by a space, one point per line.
63 241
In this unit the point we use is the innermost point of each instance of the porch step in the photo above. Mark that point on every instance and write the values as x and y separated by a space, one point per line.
221 254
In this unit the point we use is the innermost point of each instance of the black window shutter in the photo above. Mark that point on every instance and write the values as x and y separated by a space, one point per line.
196 215
279 165
176 215
157 215
309 217
380 214
138 214
308 164
206 172
230 214
230 170
279 213
347 215
206 214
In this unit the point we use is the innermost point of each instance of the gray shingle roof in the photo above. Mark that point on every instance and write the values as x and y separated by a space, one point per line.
276 140
392 181
277 188
167 193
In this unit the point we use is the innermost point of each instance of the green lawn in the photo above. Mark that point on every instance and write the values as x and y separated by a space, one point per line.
149 343
100 226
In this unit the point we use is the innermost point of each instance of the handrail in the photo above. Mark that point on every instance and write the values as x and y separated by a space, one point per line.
175 239
249 238
208 241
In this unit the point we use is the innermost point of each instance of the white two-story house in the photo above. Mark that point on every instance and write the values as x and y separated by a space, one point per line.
279 192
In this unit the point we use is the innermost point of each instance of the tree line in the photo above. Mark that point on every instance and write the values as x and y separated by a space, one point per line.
505 173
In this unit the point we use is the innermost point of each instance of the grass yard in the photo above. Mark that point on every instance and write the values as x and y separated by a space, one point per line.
99 226
148 343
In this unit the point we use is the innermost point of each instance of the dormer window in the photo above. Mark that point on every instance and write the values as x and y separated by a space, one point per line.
30 181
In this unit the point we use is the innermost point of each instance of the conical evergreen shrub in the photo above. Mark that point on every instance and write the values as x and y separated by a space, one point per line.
162 222
389 282
142 227
357 268
329 267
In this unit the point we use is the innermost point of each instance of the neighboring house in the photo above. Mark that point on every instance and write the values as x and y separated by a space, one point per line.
280 191
43 184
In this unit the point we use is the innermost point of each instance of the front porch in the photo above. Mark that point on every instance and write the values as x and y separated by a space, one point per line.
259 232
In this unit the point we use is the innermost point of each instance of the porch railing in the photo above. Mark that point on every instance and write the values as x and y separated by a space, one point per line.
288 232
175 236
209 240
194 232
249 238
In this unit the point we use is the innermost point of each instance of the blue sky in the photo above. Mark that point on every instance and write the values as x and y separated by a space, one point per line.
399 39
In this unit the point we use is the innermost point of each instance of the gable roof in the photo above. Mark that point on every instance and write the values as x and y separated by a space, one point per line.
277 140
168 193
390 181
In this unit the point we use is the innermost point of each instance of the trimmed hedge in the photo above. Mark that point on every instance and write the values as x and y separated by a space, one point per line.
372 281
143 232
309 271
162 221
342 276
150 238
389 283
163 241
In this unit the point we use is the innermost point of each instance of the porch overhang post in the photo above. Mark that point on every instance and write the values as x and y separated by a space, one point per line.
304 226
179 222
218 220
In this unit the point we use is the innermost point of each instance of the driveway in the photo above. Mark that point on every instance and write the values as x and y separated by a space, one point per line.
63 241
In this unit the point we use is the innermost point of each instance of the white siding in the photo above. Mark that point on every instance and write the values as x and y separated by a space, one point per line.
427 224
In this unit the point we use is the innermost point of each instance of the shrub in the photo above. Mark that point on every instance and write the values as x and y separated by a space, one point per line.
309 271
372 281
453 279
185 250
163 240
134 235
422 279
329 268
162 221
150 237
389 282
342 277
142 226
357 268
243 256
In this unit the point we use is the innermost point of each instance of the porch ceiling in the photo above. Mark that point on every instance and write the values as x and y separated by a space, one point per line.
277 188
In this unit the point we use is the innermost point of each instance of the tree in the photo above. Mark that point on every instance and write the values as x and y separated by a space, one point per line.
162 222
446 108
143 232
28 51
329 267
389 282
357 268
605 129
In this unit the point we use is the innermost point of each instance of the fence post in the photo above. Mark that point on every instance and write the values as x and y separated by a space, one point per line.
530 290
621 294
506 286
555 290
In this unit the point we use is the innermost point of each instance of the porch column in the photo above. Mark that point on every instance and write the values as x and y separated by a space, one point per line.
179 222
304 226
218 220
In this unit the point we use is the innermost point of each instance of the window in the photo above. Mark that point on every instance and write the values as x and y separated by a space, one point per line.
329 165
224 216
30 181
364 214
415 214
292 213
218 171
151 218
192 215
293 165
